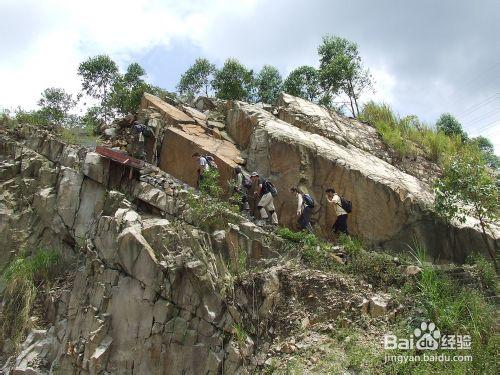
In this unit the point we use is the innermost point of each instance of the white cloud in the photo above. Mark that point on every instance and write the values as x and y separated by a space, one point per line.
422 71
67 32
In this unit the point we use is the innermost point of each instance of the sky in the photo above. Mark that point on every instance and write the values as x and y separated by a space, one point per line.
427 57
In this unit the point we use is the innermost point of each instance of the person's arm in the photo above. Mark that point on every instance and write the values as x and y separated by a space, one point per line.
299 204
239 181
258 190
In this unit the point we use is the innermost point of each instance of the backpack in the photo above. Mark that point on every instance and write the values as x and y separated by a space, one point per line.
247 183
346 204
271 188
308 200
146 131
211 162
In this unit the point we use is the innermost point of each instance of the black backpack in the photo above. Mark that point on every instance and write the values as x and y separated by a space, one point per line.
247 183
211 162
270 188
346 204
308 200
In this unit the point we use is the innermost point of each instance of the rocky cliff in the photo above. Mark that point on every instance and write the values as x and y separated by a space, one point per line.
152 287
150 293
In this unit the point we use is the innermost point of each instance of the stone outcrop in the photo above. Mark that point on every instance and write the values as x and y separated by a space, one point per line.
391 208
171 114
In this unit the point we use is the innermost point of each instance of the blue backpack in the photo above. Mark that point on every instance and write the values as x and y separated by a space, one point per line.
308 200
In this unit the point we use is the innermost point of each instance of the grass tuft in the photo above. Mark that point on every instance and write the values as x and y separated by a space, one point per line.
22 278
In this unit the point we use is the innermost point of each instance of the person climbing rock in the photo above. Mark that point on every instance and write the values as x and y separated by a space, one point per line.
202 166
253 197
340 225
305 205
266 201
138 131
242 184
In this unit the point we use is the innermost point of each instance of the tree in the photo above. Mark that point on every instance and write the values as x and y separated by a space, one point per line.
234 81
304 83
128 89
269 84
469 188
341 70
450 126
55 104
197 79
488 150
98 75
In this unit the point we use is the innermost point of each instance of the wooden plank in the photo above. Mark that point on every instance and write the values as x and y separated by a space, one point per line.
119 157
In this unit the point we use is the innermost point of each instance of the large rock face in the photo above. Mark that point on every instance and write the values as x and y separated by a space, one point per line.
151 295
179 144
390 208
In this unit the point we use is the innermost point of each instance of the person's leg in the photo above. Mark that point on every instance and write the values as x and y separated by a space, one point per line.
261 206
306 218
272 210
335 226
343 224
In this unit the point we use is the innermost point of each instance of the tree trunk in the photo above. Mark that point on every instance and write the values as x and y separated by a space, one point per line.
488 245
356 103
350 95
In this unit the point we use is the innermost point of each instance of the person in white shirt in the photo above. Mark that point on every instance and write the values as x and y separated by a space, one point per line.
202 166
340 224
304 209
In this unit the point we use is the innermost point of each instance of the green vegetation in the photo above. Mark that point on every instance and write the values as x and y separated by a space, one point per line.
315 252
455 310
486 147
197 79
98 75
341 70
211 183
469 187
484 270
304 83
207 209
234 81
55 105
450 126
23 278
269 84
407 135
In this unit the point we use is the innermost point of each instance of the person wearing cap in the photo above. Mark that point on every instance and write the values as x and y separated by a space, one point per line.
265 199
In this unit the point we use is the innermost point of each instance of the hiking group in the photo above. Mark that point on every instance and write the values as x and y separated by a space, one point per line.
257 198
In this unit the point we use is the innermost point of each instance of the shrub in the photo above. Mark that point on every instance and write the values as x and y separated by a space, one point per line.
208 212
485 271
211 183
352 245
376 268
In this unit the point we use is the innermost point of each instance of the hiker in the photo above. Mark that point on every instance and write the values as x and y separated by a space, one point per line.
340 224
305 205
265 192
241 187
138 130
202 166
253 196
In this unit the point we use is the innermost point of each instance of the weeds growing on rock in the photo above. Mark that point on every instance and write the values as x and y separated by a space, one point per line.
210 213
23 278
404 134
